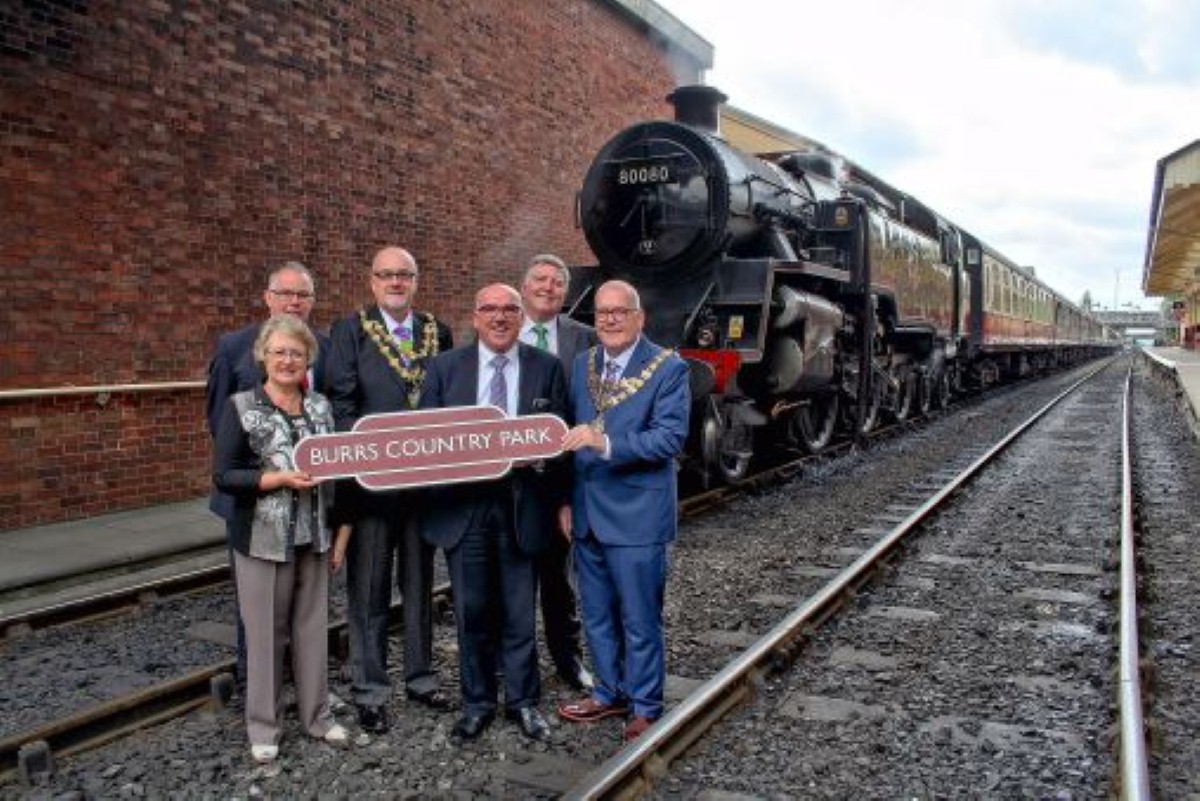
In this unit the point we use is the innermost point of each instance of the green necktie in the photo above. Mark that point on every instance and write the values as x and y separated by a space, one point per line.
543 341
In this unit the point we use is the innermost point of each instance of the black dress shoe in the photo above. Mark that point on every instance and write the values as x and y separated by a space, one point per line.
469 727
533 723
373 719
434 699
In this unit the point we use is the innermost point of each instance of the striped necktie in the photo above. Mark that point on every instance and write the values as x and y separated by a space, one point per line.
612 372
498 389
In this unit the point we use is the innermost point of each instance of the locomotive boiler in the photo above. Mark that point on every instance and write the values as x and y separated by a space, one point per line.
805 294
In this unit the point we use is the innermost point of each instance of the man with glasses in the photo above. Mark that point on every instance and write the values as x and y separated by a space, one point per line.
631 401
543 290
493 530
290 290
377 365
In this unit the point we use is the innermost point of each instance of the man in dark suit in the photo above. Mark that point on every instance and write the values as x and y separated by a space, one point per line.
631 400
290 290
492 530
378 365
543 290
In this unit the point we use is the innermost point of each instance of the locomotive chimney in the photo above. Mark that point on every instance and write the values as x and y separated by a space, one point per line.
698 106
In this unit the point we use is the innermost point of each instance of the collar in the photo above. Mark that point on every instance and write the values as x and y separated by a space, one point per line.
391 322
486 354
621 358
527 326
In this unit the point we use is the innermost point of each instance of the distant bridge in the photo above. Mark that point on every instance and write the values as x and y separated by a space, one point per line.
1124 321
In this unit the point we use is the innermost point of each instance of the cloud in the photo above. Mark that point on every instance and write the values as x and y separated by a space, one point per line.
1036 125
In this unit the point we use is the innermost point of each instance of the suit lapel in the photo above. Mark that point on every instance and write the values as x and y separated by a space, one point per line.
528 379
377 316
465 383
642 353
567 343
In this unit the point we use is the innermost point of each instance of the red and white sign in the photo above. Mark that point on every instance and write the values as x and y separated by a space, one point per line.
434 446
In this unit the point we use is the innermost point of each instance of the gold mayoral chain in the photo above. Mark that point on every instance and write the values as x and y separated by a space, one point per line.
410 367
624 388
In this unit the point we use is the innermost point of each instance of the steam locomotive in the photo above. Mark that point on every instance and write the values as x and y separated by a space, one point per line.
807 296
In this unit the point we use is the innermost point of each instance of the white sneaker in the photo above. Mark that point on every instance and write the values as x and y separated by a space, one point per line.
337 735
264 753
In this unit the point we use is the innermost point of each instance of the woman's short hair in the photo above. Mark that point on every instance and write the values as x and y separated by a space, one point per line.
289 325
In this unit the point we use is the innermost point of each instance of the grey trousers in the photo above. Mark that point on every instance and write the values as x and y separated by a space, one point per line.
371 555
284 602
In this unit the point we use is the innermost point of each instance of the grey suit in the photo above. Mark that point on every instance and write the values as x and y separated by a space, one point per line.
573 338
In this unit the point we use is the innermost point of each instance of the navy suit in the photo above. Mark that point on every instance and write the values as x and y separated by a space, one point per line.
625 512
491 531
362 382
558 601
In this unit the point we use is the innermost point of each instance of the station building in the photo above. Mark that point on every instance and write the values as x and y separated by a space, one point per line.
1172 266
157 159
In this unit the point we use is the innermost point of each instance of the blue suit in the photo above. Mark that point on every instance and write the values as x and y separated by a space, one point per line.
625 512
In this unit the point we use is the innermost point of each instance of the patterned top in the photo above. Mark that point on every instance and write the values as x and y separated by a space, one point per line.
283 518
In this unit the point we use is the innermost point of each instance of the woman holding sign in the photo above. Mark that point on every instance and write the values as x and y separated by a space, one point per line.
281 535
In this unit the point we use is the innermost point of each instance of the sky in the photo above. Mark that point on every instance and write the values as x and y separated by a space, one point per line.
1035 124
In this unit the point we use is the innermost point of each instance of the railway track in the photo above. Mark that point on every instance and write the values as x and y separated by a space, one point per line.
34 749
641 767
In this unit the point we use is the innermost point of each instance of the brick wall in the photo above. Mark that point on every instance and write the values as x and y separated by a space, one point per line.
156 157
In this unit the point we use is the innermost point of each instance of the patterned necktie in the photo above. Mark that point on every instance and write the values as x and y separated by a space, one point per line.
404 337
498 389
612 371
542 341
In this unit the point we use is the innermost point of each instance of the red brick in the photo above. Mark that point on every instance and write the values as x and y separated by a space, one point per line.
158 158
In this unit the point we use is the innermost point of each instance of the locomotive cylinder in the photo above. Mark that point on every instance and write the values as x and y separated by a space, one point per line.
804 357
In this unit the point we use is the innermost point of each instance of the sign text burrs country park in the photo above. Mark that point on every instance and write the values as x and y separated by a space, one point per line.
435 446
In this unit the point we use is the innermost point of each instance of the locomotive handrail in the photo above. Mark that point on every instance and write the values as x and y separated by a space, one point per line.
98 389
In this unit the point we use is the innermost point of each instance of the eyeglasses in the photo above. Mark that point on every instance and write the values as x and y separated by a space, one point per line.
616 313
395 275
492 310
287 355
292 294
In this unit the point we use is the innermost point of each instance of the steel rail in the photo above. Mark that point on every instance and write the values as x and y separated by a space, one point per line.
110 602
633 770
1135 773
149 706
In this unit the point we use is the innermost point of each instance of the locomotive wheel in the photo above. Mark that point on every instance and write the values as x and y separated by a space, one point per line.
813 424
906 397
941 390
721 462
871 415
927 385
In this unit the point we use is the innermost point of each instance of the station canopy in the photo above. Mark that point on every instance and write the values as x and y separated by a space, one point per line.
1173 246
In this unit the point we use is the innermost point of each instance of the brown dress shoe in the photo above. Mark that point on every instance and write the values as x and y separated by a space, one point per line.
636 727
590 709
